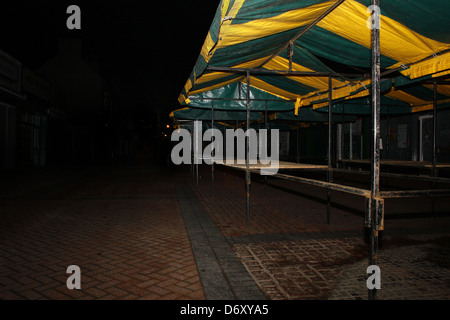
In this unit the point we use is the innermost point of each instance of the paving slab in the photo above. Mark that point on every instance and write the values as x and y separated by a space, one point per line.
121 225
293 254
146 232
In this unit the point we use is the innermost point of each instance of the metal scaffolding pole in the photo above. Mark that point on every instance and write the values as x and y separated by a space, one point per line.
196 177
267 148
350 141
434 159
298 142
375 202
237 127
330 138
247 158
434 127
388 132
213 151
341 143
196 144
193 153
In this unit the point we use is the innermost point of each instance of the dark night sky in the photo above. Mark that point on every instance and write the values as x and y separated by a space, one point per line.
152 45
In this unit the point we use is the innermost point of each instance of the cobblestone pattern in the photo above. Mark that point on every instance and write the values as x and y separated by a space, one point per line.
272 210
127 236
292 253
418 270
335 269
305 269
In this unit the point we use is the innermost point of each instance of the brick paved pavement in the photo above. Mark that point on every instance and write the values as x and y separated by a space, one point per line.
292 253
140 232
416 270
121 225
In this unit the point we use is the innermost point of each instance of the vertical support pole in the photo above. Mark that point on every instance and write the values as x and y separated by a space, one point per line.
224 149
192 153
342 140
237 127
298 141
330 138
265 116
375 163
247 158
265 126
197 131
434 128
361 142
433 171
340 136
388 133
339 130
350 142
6 137
196 169
213 153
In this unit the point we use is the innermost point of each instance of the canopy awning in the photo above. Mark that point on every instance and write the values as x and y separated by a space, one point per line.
291 48
233 97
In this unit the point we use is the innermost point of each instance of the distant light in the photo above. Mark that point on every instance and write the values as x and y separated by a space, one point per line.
106 125
167 126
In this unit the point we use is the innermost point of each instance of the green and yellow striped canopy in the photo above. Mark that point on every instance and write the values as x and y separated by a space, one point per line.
317 39
233 97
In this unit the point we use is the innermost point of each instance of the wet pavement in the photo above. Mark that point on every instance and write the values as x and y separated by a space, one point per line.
150 232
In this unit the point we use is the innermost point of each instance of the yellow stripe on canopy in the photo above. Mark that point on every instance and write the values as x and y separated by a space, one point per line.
207 77
320 83
218 75
443 89
339 93
272 89
428 106
433 65
172 114
208 45
396 40
440 74
234 11
232 34
181 98
360 94
219 85
406 97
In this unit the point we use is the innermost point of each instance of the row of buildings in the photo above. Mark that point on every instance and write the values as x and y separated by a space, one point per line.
57 113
